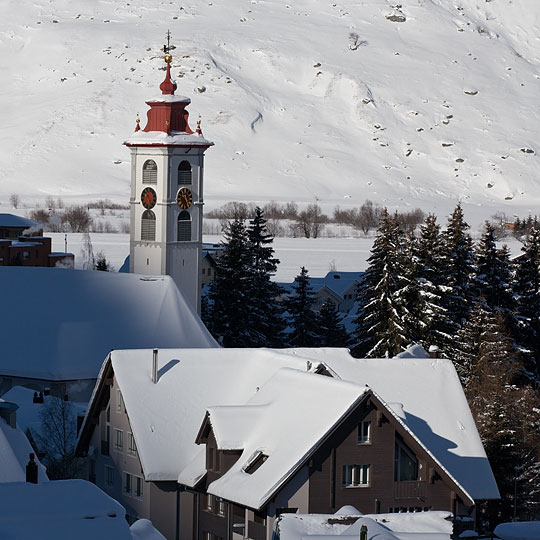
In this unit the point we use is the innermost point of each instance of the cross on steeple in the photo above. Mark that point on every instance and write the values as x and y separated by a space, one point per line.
168 47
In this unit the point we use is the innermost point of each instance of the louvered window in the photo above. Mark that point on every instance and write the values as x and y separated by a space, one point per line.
148 226
184 174
149 172
184 227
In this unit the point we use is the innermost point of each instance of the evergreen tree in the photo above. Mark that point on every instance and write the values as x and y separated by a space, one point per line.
493 278
506 415
458 265
266 322
302 318
527 290
332 333
428 274
381 325
228 295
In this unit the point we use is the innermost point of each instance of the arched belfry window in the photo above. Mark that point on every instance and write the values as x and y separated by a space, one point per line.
184 174
184 227
148 226
149 172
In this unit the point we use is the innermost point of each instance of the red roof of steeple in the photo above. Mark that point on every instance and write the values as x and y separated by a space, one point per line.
168 114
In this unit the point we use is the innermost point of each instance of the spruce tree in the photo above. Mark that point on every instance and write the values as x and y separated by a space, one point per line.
228 295
458 266
381 324
527 290
506 414
266 322
331 331
493 278
302 318
428 274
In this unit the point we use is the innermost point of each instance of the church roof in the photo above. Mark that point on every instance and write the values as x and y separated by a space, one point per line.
60 324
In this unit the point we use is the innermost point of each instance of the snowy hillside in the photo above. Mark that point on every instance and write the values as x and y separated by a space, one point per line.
421 105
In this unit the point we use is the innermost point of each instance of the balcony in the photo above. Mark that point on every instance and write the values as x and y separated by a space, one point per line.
105 448
409 490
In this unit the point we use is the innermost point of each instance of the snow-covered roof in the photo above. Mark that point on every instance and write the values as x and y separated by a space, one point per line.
284 421
160 137
166 417
429 395
338 282
60 509
169 98
11 220
525 530
62 323
14 452
424 394
408 526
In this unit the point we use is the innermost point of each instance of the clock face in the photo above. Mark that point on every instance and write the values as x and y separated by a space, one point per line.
184 199
148 198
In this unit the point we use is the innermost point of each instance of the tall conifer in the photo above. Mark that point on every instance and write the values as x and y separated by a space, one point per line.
331 331
381 324
302 318
265 314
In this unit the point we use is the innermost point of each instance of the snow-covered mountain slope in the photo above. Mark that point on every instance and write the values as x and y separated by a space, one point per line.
423 105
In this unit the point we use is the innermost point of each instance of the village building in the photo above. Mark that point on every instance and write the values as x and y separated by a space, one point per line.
338 287
82 315
218 443
22 244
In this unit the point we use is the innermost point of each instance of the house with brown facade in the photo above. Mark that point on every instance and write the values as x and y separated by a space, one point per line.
217 443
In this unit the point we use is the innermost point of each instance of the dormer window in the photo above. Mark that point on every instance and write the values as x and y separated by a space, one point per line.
184 174
255 462
149 173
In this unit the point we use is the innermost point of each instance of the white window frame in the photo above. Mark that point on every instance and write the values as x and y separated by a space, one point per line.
364 432
118 400
132 447
356 475
127 485
109 476
137 487
118 440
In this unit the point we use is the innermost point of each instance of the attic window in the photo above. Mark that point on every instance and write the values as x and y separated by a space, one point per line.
255 462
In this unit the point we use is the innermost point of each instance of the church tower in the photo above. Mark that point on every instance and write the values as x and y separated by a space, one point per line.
167 165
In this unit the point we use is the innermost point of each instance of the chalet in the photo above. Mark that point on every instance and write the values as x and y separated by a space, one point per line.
215 444
61 323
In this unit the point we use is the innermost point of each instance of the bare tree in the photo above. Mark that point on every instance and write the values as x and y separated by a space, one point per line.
15 200
87 253
78 218
57 439
312 220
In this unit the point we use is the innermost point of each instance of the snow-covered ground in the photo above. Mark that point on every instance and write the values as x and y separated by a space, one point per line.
313 100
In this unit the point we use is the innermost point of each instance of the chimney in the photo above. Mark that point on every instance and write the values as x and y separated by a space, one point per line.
363 532
433 351
8 411
32 470
154 367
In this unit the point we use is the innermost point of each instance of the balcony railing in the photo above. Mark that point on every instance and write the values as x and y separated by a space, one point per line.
104 448
409 490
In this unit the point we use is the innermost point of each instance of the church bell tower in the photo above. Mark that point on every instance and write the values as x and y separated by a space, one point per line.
166 204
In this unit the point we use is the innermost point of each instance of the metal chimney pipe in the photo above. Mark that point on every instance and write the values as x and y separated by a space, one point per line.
154 367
